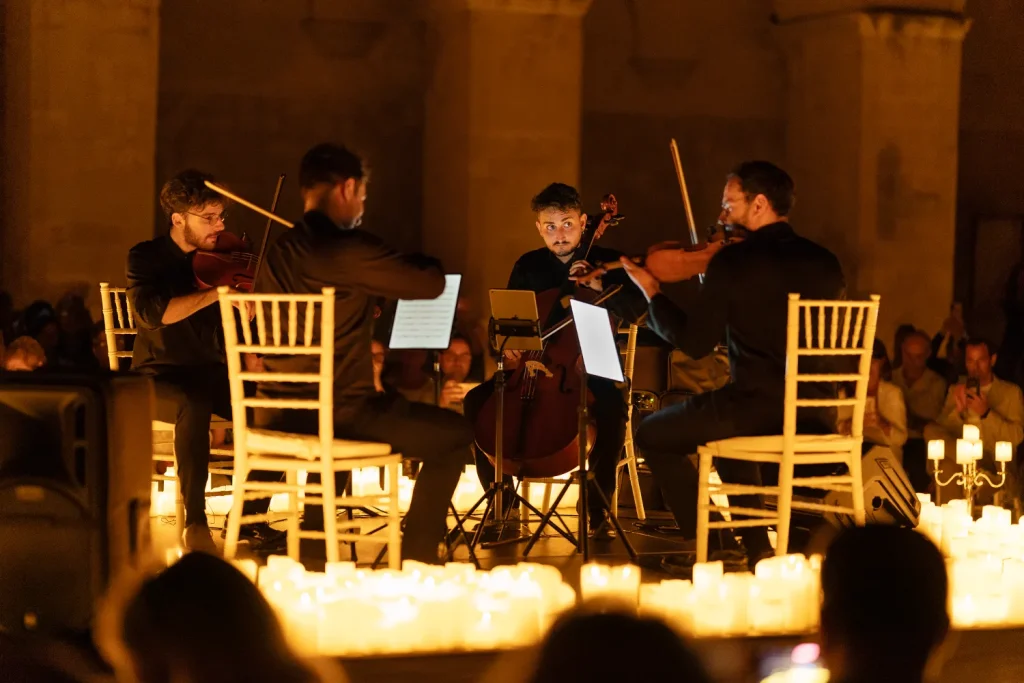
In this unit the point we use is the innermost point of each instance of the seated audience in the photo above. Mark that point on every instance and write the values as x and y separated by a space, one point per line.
902 332
885 414
883 614
923 391
948 345
23 354
456 362
202 621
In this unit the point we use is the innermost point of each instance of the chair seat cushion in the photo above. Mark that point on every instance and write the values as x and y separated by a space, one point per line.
805 443
308 446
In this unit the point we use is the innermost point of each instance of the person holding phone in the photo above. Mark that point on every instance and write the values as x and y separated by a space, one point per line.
982 399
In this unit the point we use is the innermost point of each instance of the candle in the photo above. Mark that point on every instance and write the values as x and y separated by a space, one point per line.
621 584
936 449
977 450
1004 451
972 433
964 451
247 567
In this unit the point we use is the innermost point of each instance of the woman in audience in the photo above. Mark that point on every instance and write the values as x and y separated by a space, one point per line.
885 412
203 621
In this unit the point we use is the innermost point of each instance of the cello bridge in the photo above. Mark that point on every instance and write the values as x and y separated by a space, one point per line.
535 366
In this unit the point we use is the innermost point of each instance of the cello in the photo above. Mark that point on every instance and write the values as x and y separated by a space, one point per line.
542 394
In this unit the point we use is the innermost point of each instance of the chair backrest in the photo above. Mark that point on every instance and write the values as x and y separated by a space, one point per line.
312 339
114 300
840 330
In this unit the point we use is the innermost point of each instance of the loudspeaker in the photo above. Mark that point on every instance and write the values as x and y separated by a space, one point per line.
75 469
889 498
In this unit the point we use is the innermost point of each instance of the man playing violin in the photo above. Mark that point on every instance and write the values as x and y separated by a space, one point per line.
327 249
179 336
560 223
743 302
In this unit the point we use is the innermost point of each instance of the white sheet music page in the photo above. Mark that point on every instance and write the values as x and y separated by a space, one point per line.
597 343
426 323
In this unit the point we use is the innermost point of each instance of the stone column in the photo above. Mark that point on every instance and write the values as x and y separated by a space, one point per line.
79 124
502 121
872 130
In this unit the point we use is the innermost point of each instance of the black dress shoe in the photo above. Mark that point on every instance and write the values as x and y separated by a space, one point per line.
261 537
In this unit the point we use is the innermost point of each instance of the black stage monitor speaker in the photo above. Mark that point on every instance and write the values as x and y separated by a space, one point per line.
889 497
75 471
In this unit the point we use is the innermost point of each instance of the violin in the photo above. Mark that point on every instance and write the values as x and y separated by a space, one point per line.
232 261
542 397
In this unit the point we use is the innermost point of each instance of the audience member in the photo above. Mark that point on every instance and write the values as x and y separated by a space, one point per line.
202 621
657 652
885 414
24 354
902 332
39 321
923 391
75 325
456 362
883 614
948 345
982 399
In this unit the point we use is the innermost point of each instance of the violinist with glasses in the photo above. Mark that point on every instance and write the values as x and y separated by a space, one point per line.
179 338
743 302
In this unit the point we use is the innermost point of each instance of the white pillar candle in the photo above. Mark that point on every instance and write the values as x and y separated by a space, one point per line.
972 433
620 583
936 449
964 451
1004 451
977 450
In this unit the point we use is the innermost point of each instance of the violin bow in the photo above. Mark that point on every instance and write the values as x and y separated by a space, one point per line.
266 232
246 203
686 195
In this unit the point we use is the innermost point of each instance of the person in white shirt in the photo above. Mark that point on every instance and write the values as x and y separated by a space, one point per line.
885 412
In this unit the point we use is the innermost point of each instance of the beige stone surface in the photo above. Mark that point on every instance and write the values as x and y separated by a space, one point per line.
80 92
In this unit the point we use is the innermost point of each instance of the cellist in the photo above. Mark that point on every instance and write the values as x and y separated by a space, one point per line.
560 223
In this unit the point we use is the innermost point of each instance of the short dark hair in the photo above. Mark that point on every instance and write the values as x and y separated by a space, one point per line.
557 196
330 163
187 190
763 177
885 591
982 341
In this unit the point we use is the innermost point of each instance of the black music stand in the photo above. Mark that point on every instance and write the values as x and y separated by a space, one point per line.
600 359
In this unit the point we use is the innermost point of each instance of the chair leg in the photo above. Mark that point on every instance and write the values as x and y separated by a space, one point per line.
634 477
857 487
330 508
703 502
785 507
292 533
524 511
179 507
394 521
234 523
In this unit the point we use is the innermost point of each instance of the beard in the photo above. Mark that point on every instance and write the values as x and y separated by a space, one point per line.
196 241
562 248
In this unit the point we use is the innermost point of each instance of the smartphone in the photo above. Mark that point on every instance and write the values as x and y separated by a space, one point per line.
973 386
800 664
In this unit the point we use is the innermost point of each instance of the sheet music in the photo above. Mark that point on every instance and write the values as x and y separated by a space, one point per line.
597 343
426 323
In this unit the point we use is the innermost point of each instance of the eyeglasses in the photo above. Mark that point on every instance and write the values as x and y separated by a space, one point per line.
210 218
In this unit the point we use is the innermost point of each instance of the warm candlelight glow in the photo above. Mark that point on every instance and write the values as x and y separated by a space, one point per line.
972 433
936 449
1004 451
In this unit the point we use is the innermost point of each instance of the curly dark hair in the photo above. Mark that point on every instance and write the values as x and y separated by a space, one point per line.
557 196
187 190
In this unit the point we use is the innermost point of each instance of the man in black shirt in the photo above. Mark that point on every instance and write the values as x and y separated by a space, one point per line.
179 342
328 250
560 222
744 301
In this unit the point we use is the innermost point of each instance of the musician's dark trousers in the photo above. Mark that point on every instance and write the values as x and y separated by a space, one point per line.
189 397
438 438
608 412
667 437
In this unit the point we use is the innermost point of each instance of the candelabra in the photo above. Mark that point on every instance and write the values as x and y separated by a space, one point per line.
968 453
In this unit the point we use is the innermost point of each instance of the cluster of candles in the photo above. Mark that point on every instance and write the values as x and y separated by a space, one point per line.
985 562
780 597
347 611
970 448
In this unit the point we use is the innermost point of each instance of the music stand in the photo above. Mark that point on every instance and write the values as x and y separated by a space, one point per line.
514 326
600 359
426 325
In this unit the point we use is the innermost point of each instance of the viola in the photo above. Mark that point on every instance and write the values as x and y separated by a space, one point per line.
232 261
542 394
